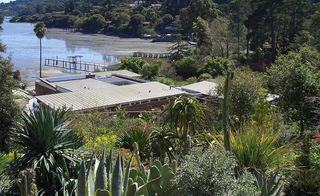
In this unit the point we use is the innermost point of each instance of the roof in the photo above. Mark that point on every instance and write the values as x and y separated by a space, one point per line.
118 72
79 85
109 97
204 87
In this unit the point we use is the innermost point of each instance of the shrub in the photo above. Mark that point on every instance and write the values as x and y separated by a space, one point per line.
150 71
216 66
212 172
100 143
257 148
132 64
204 77
186 67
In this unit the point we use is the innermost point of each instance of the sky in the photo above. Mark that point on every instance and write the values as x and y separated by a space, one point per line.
5 1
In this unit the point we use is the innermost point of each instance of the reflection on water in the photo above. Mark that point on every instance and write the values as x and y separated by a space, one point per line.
23 47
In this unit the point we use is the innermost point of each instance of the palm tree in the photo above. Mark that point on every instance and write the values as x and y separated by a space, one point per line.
40 31
184 114
48 146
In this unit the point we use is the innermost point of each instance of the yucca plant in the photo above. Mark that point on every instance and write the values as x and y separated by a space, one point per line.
49 147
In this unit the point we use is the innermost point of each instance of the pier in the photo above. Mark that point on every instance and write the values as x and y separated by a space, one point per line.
74 63
151 55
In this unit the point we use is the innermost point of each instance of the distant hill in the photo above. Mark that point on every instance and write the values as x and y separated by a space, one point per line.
29 7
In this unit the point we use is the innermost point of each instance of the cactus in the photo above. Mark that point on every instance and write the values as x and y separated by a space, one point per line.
26 183
226 94
156 181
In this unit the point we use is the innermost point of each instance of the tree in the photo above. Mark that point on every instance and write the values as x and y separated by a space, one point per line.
93 24
247 88
40 31
202 33
295 78
216 66
136 24
205 9
179 49
184 114
8 108
186 67
48 146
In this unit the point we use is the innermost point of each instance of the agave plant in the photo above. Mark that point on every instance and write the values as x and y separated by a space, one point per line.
102 178
48 147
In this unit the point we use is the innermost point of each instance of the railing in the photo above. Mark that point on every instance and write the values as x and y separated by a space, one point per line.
151 55
75 65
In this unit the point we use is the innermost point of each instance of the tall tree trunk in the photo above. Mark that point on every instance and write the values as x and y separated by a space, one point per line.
40 58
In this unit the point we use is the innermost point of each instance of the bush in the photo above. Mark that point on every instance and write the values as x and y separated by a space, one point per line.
186 67
204 77
213 173
216 66
132 64
150 71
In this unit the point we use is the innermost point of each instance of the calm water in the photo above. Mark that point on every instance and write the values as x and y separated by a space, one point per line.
23 47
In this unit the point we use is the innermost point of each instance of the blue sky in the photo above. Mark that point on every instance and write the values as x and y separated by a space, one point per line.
5 1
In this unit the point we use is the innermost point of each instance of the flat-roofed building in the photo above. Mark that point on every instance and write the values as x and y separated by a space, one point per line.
140 96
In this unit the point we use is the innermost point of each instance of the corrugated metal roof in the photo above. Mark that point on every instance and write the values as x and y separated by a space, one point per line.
108 97
204 87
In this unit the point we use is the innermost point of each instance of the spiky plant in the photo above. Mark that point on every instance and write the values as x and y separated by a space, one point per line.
48 146
184 114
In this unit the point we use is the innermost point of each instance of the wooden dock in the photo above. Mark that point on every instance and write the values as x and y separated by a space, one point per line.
74 65
151 55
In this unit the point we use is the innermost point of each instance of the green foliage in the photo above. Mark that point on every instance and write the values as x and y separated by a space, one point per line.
26 183
257 148
150 71
132 64
93 24
40 29
179 49
48 146
158 180
246 90
9 109
204 77
204 9
212 172
185 115
162 143
102 178
216 66
186 67
269 184
136 24
5 161
295 77
140 136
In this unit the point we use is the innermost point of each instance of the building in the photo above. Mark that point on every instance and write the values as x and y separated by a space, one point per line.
104 91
